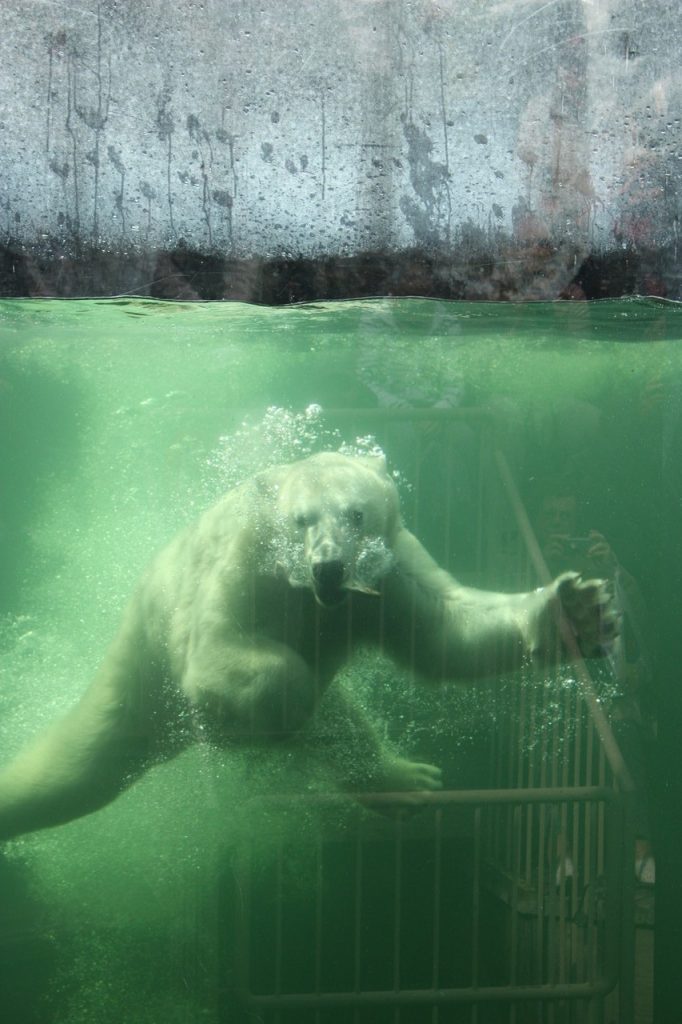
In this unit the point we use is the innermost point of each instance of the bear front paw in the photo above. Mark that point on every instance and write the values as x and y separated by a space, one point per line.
400 785
398 775
590 613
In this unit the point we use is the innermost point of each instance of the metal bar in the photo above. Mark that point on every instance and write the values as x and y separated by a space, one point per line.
514 924
278 920
437 867
357 921
465 797
591 877
513 740
601 838
587 831
476 899
614 877
626 987
397 907
522 737
540 912
581 724
318 915
429 997
242 952
532 731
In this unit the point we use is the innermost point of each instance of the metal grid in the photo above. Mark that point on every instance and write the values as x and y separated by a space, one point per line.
507 904
447 916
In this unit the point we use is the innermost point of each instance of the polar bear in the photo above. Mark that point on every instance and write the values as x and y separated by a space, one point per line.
242 623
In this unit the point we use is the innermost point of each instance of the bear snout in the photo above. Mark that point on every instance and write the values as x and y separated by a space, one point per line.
328 580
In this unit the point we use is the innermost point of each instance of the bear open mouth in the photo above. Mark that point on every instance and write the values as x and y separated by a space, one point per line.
330 599
329 583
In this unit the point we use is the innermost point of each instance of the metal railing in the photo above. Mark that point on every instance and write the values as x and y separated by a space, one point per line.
512 903
425 912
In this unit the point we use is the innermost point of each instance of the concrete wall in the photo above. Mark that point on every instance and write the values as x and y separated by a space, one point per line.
463 130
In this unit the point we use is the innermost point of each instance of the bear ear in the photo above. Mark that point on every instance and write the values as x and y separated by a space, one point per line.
375 462
268 481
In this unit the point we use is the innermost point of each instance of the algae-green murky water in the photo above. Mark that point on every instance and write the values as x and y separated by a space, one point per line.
122 420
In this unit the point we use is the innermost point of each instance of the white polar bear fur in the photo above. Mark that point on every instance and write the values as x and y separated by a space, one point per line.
243 621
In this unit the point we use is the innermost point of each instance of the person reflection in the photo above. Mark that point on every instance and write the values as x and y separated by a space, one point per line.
623 679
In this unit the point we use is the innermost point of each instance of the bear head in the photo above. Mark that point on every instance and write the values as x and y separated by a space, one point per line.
336 521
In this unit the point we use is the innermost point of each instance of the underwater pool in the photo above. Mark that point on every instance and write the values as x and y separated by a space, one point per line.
508 430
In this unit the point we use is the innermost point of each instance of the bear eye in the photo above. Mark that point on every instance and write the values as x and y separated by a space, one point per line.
356 516
305 519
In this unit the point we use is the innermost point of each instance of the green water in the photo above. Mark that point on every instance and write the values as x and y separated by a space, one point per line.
122 420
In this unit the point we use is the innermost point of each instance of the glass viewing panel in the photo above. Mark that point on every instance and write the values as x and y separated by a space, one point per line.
234 854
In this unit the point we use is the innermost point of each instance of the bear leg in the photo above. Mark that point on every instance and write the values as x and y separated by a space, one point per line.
249 690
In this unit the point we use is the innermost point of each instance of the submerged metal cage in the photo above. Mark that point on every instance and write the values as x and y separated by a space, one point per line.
421 920
510 903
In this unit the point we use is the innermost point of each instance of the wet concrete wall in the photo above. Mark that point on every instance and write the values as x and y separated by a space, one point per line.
490 149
